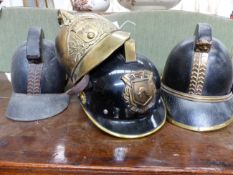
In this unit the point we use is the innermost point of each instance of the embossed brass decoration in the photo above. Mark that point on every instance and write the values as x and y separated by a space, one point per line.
202 46
200 61
78 35
85 40
86 33
139 91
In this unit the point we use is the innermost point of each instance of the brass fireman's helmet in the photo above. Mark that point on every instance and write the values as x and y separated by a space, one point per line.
86 40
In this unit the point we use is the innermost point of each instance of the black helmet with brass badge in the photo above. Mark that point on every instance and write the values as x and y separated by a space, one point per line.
123 99
119 91
196 83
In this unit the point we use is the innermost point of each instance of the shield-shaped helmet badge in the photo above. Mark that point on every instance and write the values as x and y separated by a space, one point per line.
139 91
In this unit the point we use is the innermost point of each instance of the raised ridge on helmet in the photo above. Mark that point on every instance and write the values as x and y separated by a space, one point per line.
218 67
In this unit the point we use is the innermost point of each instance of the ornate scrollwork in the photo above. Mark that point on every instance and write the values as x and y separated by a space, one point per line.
140 89
85 32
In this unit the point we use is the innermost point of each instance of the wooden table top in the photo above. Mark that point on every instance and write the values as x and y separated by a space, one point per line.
69 144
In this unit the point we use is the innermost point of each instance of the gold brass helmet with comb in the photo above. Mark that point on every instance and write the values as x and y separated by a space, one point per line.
85 40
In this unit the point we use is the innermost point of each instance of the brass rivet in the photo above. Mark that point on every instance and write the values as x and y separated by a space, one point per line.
90 35
83 98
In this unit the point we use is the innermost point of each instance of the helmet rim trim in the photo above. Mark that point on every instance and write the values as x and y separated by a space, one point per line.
174 116
196 98
200 129
125 136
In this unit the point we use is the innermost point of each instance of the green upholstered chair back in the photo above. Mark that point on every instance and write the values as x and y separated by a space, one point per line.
155 32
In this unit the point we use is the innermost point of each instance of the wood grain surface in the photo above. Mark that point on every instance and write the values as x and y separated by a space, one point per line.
70 144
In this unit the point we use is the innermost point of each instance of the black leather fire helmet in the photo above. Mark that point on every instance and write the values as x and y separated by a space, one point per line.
196 83
123 98
38 80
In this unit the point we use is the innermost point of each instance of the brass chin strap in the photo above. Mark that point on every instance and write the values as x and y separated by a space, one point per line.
130 50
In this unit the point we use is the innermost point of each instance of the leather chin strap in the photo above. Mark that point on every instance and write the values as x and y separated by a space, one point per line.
80 86
35 66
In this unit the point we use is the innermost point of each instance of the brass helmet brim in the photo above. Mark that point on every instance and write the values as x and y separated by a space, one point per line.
100 52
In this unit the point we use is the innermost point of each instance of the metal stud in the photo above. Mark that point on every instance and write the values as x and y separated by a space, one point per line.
105 111
90 35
